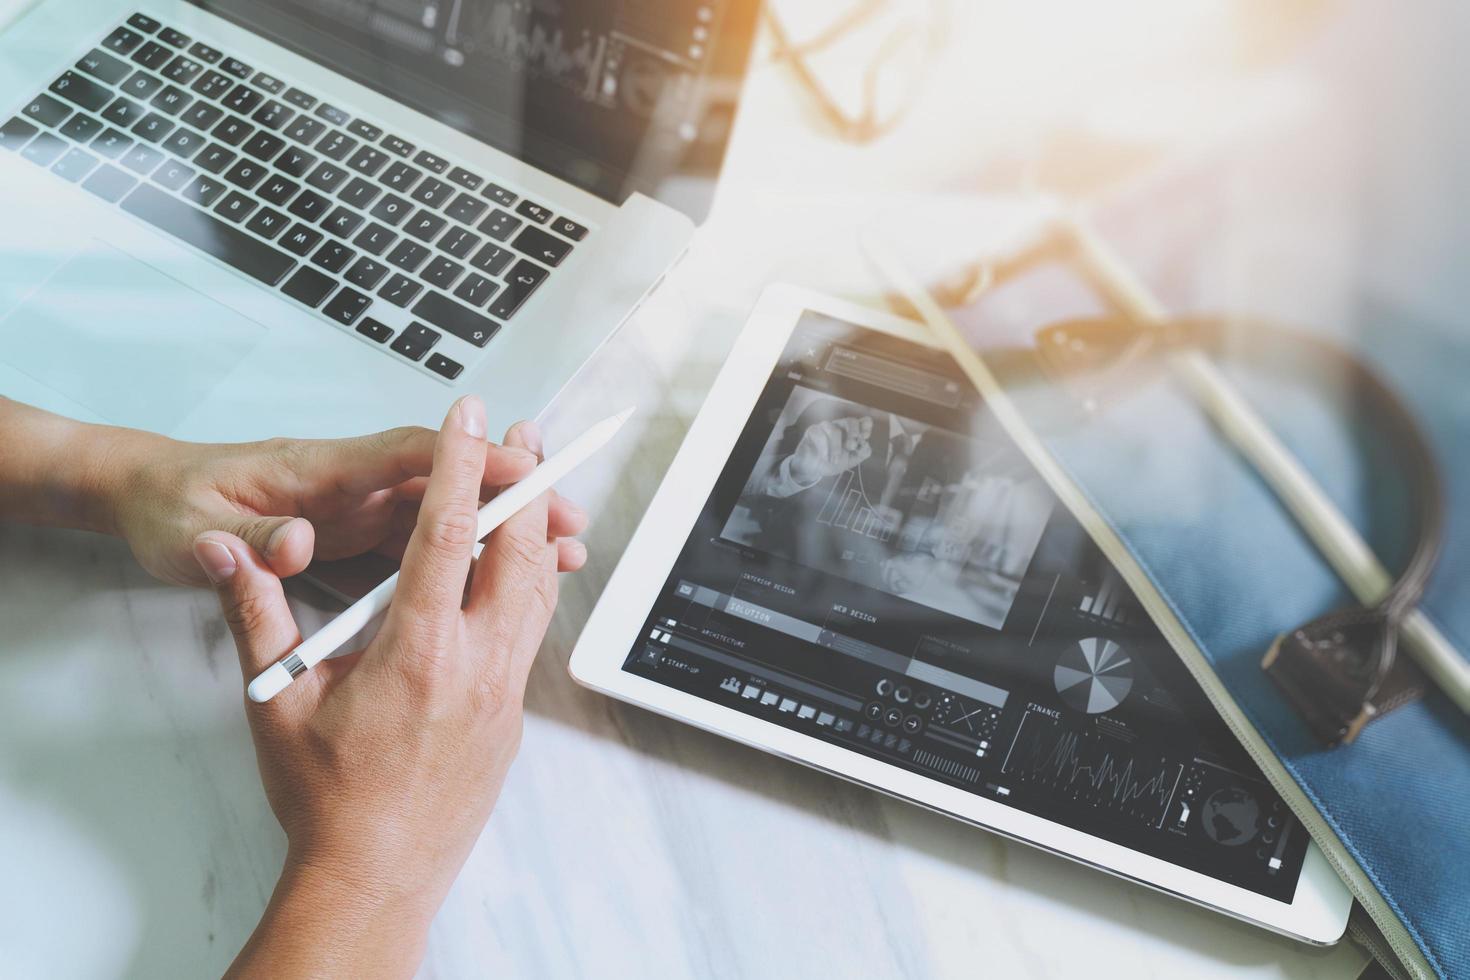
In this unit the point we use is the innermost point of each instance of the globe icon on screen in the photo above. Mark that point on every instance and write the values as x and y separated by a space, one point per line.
1231 816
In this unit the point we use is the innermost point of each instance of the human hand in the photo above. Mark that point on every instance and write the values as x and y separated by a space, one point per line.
829 448
383 766
291 500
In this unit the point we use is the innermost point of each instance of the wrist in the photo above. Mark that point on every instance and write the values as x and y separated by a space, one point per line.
106 469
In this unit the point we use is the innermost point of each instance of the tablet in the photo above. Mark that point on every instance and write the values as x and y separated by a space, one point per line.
851 564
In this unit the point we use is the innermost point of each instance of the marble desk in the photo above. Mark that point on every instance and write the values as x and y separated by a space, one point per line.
135 840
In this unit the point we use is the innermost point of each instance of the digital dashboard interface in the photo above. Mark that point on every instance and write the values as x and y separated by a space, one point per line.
610 95
880 567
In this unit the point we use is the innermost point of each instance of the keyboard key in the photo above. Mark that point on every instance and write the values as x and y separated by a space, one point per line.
214 158
109 183
342 222
308 286
44 149
441 272
476 290
333 115
152 127
431 162
234 207
408 256
173 175
212 85
123 112
243 99
347 306
203 190
500 225
232 130
327 176
144 23
425 226
182 70
520 283
399 290
443 366
170 36
366 272
492 258
209 234
184 143
301 239
534 211
268 222
75 165
375 239
141 85
263 146
112 143
400 177
415 341
367 160
542 246
153 55
171 100
141 159
122 40
465 179
273 115
499 195
359 193
309 206
270 83
398 145
236 67
202 115
569 228
453 318
299 98
100 64
374 330
46 110
333 255
245 174
305 130
466 209
78 88
365 130
336 145
391 209
278 190
15 134
80 128
459 243
433 192
204 52
295 161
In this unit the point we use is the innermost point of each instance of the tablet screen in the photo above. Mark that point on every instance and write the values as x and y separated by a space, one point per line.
880 567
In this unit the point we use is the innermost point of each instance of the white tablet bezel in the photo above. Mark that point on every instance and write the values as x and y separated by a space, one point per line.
1317 913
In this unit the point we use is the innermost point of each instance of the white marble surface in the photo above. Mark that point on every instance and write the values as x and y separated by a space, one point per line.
135 840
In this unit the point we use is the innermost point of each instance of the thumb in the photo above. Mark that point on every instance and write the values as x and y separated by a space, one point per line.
285 543
252 600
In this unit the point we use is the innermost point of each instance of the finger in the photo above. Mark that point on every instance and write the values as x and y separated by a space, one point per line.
863 452
437 560
513 593
571 555
285 543
565 519
254 607
384 459
865 426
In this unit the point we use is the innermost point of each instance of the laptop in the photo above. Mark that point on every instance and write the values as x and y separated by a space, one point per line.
233 219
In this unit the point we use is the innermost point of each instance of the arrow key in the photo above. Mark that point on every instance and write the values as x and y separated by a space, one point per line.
542 246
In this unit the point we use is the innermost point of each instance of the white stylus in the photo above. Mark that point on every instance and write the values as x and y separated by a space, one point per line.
275 678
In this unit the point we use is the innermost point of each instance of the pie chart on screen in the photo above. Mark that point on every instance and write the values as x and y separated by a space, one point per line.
1093 675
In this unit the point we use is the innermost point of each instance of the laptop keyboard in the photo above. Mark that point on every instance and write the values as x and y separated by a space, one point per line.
330 209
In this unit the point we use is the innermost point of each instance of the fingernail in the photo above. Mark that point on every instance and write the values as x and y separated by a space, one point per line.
519 453
215 559
472 416
531 436
577 550
277 538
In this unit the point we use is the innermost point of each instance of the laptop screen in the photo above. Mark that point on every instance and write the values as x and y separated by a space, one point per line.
613 96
